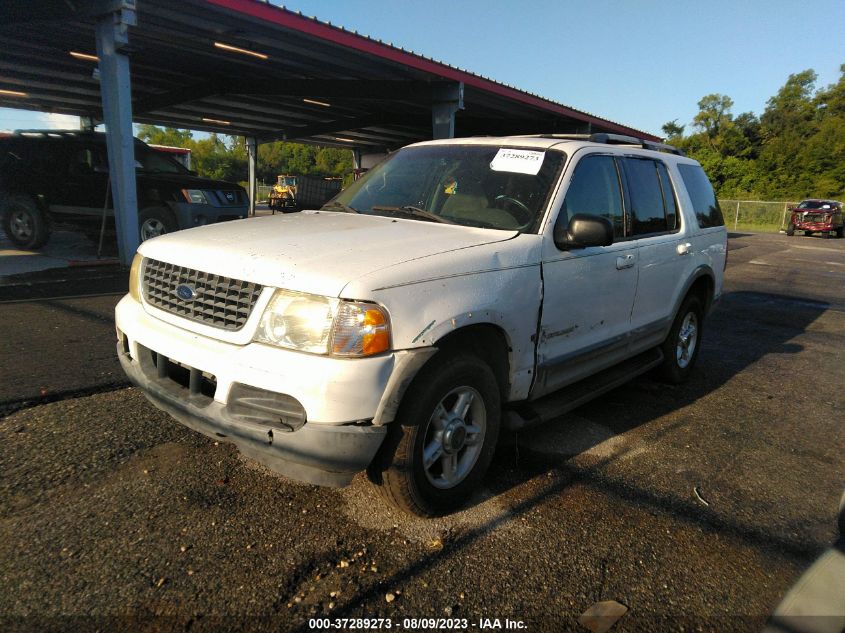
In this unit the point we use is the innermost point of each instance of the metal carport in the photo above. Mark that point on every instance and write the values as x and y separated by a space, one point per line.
248 68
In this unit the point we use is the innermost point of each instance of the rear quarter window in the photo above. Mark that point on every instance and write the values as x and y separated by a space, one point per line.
703 198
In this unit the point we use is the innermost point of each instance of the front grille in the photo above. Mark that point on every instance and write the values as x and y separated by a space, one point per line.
230 197
214 300
815 217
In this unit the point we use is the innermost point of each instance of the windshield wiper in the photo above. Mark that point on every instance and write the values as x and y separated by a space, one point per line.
339 206
415 212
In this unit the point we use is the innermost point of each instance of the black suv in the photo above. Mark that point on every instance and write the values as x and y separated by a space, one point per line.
50 177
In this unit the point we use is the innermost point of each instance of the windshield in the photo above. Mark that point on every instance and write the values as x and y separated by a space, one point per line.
472 185
814 204
150 160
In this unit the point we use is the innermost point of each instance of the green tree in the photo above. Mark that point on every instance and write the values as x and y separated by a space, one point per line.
672 130
714 114
225 157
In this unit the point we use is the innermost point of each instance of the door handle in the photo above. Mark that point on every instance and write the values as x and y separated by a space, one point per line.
684 249
624 261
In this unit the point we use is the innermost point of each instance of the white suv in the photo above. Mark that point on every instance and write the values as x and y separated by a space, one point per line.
459 286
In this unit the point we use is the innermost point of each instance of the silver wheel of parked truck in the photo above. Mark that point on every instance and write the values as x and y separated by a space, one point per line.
24 223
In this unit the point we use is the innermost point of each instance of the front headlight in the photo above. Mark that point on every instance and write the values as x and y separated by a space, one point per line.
299 321
135 277
323 325
195 196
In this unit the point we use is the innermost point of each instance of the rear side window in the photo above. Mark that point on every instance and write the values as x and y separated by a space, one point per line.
594 190
668 197
703 197
648 214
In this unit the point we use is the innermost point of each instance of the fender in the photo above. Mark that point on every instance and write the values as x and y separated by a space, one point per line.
703 270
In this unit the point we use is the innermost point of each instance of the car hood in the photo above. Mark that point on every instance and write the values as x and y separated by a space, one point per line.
185 181
314 251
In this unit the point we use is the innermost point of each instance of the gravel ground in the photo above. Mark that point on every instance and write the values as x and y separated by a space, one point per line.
694 506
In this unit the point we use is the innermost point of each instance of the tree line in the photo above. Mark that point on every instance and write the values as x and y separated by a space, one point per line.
795 149
225 157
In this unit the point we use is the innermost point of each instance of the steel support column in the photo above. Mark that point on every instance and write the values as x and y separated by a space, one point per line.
116 95
252 162
446 102
356 158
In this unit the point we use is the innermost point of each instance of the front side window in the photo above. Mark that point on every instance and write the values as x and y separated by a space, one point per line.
703 198
594 190
151 160
482 186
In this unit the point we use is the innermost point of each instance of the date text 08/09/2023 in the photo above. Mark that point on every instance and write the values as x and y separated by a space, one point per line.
424 624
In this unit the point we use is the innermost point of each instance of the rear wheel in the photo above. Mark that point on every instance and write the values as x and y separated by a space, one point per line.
24 223
154 222
840 232
443 438
808 233
680 349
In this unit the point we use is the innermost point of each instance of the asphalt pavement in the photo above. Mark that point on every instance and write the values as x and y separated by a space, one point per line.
695 506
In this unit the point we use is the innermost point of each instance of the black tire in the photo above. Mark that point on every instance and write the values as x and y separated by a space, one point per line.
826 235
155 221
398 470
840 232
676 366
24 223
790 229
808 233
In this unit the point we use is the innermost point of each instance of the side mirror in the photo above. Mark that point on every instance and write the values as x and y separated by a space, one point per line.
790 207
583 231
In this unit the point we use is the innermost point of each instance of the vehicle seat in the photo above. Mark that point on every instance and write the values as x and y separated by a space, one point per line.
471 203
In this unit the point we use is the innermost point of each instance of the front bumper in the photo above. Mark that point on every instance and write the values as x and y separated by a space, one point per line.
814 226
345 403
320 454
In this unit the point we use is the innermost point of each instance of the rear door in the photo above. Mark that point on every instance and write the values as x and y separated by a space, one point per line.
83 193
588 293
664 252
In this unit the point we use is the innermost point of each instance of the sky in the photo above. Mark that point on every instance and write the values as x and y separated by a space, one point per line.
641 63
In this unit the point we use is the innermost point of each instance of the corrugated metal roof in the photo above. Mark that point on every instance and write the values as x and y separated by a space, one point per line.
360 91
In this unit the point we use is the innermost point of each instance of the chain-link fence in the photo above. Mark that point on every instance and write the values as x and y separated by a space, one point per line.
755 215
263 192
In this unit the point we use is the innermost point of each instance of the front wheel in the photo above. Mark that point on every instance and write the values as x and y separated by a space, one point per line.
790 229
24 223
154 222
443 438
680 349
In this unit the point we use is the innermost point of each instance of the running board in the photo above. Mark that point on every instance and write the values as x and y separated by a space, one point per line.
530 413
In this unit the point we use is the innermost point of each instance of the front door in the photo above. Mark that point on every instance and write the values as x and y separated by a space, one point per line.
588 293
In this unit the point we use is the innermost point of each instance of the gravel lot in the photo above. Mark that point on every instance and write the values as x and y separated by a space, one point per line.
694 506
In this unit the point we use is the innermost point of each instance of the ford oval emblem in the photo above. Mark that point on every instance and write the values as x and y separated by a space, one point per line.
186 292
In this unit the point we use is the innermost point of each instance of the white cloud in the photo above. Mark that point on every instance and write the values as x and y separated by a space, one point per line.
58 121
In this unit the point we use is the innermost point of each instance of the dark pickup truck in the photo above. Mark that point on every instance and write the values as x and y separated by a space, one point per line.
50 178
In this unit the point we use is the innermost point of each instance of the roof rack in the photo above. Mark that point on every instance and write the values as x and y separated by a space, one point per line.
613 139
622 139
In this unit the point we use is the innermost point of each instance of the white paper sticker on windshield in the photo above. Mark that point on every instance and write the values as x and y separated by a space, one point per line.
519 161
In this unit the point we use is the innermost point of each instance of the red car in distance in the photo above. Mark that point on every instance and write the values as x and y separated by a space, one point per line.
817 216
